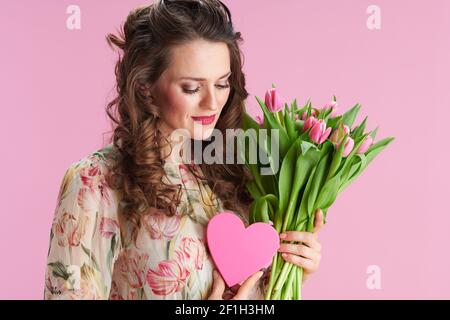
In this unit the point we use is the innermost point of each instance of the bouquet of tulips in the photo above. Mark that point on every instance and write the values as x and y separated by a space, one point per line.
311 154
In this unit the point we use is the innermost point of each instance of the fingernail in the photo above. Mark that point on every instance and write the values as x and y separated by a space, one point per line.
260 274
283 235
284 255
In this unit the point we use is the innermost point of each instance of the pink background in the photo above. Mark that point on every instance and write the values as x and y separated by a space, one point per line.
55 83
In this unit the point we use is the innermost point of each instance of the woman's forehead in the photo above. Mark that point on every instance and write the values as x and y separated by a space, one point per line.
201 60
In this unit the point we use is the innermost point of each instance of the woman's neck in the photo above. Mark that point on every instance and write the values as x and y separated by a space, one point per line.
174 147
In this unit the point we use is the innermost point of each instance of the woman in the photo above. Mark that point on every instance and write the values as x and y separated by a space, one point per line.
130 218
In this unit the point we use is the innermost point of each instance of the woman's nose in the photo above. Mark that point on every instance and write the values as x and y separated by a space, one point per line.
210 101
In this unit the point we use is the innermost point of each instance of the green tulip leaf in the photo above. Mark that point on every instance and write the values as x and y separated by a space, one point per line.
319 177
290 124
253 189
285 180
350 116
304 165
374 133
328 193
334 122
305 146
359 130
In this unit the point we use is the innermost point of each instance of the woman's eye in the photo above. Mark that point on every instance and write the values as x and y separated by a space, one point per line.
188 91
191 91
224 86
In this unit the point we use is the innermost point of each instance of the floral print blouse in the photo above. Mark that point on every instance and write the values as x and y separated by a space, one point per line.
88 259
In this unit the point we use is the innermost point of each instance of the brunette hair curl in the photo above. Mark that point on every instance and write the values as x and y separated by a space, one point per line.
144 41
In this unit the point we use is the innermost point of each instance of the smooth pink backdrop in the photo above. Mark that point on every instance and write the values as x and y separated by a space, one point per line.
56 82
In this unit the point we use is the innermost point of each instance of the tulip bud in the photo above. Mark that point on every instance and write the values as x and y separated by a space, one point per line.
319 132
333 105
273 101
348 147
309 123
336 137
365 145
346 129
259 120
304 114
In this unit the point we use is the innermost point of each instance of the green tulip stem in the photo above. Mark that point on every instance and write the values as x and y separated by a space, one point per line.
286 295
272 277
282 277
299 283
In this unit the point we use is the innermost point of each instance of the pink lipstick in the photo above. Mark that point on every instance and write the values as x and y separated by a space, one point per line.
205 120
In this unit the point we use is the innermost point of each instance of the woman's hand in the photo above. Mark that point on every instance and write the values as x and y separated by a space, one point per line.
307 253
240 292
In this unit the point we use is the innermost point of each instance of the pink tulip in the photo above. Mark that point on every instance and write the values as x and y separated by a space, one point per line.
334 106
335 138
313 113
259 120
319 132
348 147
346 129
273 101
309 123
365 145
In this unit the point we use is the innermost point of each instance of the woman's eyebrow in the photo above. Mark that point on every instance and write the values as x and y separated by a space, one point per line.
203 79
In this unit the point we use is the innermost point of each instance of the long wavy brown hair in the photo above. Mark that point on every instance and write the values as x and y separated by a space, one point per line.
144 42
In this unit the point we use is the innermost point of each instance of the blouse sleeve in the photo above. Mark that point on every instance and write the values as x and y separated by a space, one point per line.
84 236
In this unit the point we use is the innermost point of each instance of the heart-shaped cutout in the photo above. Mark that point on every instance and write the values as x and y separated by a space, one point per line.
239 252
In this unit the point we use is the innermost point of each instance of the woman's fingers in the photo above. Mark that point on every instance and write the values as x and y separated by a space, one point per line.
300 250
307 264
243 291
307 253
247 285
318 221
218 286
308 238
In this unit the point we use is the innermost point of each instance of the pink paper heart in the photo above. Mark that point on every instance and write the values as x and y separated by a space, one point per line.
239 252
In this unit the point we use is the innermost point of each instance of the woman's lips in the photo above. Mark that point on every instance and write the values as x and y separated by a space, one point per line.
205 120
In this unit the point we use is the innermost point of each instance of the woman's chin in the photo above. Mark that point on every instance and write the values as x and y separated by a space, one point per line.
203 133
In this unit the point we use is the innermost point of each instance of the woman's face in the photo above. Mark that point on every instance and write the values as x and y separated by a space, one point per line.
194 89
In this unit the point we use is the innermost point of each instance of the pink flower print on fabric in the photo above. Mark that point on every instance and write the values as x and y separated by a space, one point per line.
194 250
69 230
159 225
108 227
94 186
133 267
170 276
